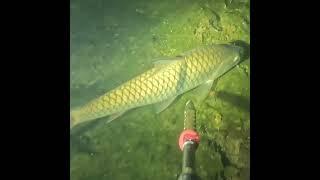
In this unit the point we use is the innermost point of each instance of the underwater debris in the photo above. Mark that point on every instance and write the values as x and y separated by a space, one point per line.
199 32
82 144
214 18
235 4
245 69
217 121
215 21
140 11
246 20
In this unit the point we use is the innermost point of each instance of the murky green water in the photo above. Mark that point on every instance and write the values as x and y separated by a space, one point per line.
113 41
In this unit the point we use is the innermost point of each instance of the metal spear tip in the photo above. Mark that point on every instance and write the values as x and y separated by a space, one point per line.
190 105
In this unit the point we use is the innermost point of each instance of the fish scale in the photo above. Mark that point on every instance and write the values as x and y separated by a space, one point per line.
162 82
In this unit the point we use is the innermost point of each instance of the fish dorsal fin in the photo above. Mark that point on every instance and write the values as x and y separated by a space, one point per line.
187 53
160 62
161 106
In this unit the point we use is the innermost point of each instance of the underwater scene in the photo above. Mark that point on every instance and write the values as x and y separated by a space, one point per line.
135 68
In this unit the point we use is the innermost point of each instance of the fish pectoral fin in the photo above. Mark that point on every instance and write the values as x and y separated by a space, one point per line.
201 92
161 106
115 116
160 62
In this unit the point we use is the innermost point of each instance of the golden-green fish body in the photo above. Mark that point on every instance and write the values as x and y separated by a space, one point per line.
166 80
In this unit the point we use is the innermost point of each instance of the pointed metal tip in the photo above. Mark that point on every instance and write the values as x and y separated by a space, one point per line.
189 116
189 105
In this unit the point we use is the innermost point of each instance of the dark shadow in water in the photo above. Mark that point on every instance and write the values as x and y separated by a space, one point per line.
224 158
79 142
245 53
84 127
217 148
234 99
